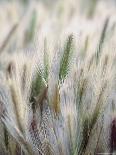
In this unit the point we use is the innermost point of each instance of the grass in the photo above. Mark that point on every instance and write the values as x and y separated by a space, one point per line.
58 98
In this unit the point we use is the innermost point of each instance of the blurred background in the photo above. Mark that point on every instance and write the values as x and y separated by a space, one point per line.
28 23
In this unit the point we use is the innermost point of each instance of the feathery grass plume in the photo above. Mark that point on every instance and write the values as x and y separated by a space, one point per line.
37 85
59 71
9 118
53 82
66 58
19 82
19 96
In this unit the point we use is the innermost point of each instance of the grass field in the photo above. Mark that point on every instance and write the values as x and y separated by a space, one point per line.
57 77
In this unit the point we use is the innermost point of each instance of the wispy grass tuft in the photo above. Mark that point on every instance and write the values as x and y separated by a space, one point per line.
66 58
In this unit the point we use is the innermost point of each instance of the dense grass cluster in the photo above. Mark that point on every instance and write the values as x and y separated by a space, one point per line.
57 86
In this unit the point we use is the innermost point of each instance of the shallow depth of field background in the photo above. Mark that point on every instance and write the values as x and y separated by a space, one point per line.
53 20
